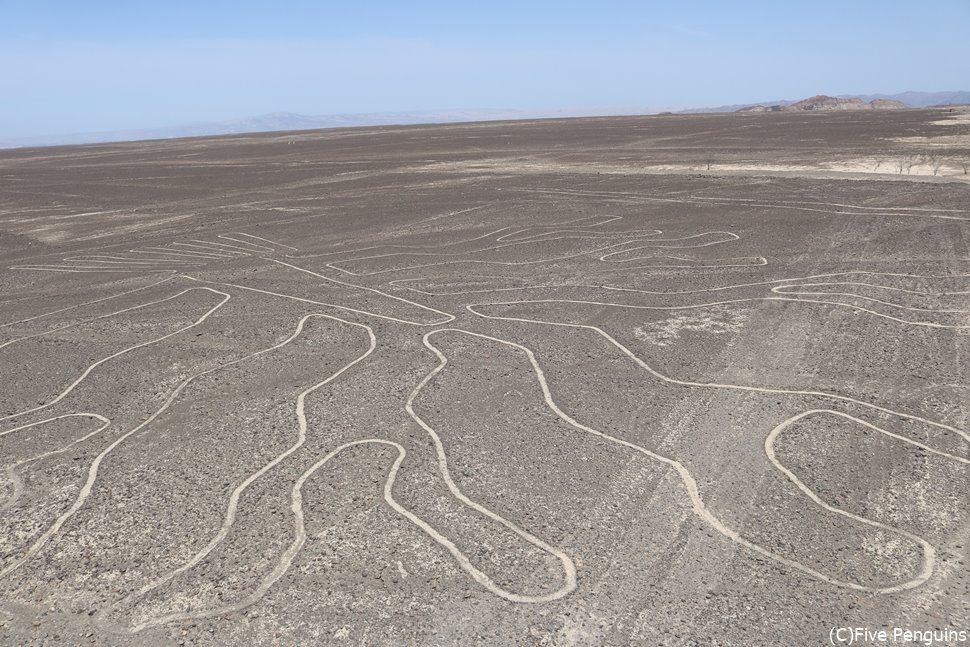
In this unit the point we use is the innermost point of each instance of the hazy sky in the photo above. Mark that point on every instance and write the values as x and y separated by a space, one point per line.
85 65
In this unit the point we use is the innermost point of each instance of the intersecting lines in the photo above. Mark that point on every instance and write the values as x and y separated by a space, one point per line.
173 256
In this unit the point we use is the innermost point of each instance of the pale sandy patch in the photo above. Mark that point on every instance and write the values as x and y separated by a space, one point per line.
715 321
47 234
954 119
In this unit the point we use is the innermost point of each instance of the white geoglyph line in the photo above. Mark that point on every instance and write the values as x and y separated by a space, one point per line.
565 225
773 436
780 289
333 265
731 236
451 213
265 240
786 289
232 507
886 211
113 265
85 491
78 323
83 321
312 301
553 236
84 269
358 250
928 324
569 569
87 371
570 227
199 251
713 385
216 248
481 577
447 317
171 257
86 303
690 484
835 204
299 540
178 252
632 235
12 475
235 248
744 261
254 248
397 282
219 253
929 552
300 532
128 261
695 264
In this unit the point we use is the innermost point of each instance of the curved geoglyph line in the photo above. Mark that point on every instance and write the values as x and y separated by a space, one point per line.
763 204
690 484
85 491
17 340
86 269
927 324
13 477
798 289
119 260
569 570
86 303
286 559
714 385
610 250
398 282
446 317
788 289
333 265
218 252
225 298
731 236
233 505
566 225
95 465
175 254
233 235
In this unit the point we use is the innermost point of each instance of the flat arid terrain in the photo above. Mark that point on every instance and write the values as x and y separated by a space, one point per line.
666 380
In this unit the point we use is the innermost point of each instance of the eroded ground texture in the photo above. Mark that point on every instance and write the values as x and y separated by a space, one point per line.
673 380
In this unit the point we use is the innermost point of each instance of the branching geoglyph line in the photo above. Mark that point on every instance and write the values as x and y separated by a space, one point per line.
690 484
232 507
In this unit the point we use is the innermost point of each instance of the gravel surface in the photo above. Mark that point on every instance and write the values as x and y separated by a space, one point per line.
671 380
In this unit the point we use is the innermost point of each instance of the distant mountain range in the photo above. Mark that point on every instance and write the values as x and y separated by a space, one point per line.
822 103
910 99
276 121
280 121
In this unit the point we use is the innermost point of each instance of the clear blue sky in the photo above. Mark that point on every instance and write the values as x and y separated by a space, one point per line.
87 65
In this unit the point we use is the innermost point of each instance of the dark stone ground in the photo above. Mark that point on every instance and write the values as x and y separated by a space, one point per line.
689 286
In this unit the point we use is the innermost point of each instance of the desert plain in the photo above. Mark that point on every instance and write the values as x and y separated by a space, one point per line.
662 380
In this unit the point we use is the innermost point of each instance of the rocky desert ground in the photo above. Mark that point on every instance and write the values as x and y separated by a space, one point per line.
664 380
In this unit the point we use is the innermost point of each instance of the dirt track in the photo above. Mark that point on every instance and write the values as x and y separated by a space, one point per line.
678 380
